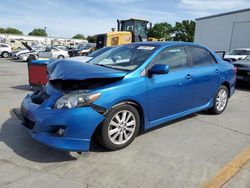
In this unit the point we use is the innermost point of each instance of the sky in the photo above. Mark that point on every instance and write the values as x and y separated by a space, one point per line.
65 18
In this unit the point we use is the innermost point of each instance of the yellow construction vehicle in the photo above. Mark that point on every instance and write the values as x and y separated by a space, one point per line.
128 31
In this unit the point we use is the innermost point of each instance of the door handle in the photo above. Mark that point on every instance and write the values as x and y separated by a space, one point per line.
217 71
189 77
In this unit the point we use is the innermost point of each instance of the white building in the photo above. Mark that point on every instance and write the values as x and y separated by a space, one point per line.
13 40
225 31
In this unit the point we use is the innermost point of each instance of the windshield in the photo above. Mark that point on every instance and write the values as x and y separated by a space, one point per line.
240 52
98 52
126 57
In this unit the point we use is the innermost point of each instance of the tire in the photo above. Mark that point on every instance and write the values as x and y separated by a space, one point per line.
119 134
60 57
220 100
5 54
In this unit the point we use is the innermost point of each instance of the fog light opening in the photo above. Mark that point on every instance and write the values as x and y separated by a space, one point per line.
60 131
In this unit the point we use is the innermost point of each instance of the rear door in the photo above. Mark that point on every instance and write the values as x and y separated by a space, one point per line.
206 75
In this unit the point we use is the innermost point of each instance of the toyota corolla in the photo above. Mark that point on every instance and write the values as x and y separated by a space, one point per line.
125 90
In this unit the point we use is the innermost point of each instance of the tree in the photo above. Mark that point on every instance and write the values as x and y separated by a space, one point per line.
11 30
161 30
2 30
38 32
92 39
184 31
78 36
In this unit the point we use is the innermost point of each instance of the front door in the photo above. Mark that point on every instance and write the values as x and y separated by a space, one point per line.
172 93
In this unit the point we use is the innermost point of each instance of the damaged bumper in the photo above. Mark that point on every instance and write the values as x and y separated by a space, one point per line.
65 129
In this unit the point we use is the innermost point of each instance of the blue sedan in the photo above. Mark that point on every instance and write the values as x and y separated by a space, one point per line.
125 90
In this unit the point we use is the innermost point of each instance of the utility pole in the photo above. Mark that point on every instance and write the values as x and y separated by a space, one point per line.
45 29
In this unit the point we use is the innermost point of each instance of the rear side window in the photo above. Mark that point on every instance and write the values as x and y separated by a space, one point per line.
174 57
201 56
4 46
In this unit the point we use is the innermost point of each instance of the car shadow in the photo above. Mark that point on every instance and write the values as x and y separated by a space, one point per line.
96 147
22 87
14 135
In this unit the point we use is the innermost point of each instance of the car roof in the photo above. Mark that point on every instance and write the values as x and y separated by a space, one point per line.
248 49
164 44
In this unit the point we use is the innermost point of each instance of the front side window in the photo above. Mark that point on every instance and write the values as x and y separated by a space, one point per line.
4 46
174 57
201 56
126 57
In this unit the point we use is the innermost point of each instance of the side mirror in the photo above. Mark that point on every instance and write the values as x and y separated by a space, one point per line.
159 69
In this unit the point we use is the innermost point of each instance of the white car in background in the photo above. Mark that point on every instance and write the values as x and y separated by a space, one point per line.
238 54
53 53
35 51
5 50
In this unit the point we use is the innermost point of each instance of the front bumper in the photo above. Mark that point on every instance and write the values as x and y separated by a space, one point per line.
79 125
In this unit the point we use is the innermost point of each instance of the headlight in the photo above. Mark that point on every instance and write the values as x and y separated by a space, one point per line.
76 99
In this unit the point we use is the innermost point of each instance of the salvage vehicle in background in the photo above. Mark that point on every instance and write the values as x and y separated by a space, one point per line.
80 51
25 56
238 54
243 69
5 50
15 54
39 71
143 85
53 53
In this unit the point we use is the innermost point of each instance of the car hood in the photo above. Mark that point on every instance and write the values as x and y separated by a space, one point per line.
27 46
77 70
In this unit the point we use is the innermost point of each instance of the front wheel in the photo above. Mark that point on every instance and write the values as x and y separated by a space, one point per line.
220 100
119 128
5 54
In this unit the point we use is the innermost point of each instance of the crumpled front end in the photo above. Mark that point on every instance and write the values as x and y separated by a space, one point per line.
65 129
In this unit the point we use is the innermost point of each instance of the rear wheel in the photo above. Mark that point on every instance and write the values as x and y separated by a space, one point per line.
220 100
5 54
119 128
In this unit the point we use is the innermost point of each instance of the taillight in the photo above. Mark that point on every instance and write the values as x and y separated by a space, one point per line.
235 69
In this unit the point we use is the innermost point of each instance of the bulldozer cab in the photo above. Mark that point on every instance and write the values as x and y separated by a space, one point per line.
128 31
137 27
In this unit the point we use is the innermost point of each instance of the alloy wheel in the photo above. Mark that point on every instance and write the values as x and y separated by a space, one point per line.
221 99
122 127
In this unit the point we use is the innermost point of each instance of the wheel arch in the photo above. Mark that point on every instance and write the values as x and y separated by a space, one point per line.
133 103
227 84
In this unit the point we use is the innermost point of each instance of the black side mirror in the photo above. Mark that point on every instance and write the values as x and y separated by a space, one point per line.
159 69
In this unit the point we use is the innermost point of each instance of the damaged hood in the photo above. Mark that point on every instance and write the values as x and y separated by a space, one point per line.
74 70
